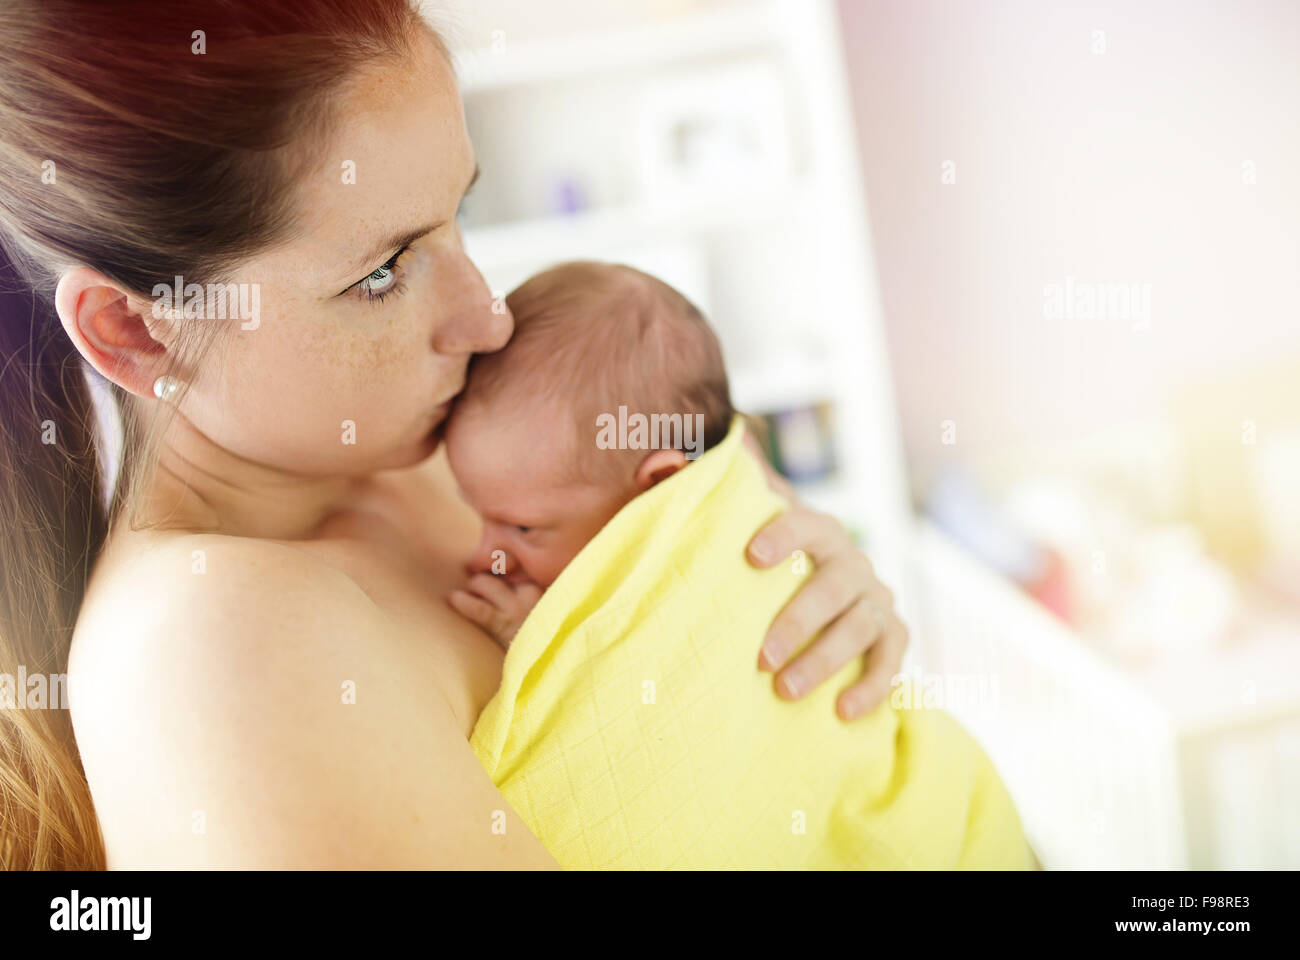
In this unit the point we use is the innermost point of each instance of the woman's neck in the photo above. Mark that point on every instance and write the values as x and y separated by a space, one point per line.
199 485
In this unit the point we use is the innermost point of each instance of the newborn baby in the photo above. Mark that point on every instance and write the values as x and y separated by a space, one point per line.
612 382
626 702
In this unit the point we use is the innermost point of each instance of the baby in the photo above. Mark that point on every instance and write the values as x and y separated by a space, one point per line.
548 442
612 382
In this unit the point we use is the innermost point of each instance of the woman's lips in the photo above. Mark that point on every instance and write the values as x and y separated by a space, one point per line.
444 408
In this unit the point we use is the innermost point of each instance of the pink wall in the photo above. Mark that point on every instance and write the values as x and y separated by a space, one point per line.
1120 167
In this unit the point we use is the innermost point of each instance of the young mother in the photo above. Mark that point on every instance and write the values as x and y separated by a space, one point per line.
264 670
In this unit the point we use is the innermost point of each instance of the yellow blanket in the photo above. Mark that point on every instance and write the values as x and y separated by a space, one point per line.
633 728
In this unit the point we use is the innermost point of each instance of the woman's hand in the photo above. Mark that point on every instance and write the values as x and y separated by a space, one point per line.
843 599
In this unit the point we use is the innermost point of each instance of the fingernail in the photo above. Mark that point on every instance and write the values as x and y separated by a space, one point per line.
761 551
773 650
793 682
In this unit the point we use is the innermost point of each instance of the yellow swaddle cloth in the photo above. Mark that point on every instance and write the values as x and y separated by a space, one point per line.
633 728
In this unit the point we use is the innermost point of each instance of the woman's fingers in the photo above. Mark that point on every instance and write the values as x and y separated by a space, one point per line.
884 662
828 593
845 639
843 600
819 535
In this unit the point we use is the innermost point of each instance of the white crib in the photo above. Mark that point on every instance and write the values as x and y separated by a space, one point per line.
1106 771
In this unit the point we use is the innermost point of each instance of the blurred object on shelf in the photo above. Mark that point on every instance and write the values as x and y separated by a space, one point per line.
800 443
829 492
1180 601
713 130
1140 589
1052 588
568 196
966 513
1086 530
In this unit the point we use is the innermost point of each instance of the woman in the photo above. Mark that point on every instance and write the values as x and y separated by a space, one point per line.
264 670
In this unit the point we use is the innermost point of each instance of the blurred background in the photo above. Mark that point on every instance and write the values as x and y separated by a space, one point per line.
1015 285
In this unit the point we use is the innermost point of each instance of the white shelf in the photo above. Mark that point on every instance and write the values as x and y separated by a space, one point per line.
591 231
711 33
838 498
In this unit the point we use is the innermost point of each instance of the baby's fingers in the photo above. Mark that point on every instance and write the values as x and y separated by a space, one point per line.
493 589
527 594
473 608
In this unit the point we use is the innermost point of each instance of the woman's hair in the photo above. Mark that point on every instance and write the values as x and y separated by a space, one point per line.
146 140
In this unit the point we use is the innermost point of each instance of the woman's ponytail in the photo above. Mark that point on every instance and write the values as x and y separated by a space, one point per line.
52 524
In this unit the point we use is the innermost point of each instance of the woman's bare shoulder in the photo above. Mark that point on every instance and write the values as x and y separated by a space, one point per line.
184 591
239 703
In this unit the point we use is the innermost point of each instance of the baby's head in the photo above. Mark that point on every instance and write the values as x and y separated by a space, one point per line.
544 440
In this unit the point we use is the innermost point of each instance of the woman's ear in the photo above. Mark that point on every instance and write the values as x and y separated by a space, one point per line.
112 329
659 465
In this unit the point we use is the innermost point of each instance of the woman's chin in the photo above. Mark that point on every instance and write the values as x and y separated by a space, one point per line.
416 453
422 447
430 442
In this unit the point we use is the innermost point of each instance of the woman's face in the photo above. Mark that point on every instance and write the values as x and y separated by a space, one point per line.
370 311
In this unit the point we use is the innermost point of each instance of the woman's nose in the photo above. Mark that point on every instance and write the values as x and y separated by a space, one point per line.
479 321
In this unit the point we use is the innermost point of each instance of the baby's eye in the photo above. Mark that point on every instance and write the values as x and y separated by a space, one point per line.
522 529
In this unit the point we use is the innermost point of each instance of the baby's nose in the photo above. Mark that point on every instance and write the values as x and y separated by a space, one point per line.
489 557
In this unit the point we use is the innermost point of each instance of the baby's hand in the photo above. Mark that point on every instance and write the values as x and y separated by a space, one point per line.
495 605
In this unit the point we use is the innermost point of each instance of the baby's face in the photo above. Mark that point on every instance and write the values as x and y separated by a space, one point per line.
508 465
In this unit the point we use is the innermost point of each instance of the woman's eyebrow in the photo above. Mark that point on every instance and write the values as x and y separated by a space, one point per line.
380 252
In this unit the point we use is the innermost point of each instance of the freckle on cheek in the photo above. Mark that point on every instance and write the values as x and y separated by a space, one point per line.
369 357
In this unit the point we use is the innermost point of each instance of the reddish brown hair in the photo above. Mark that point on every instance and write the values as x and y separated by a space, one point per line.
125 148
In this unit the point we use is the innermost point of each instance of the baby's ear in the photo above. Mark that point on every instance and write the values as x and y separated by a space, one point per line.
659 465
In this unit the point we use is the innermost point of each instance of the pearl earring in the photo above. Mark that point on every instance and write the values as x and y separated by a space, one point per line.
165 388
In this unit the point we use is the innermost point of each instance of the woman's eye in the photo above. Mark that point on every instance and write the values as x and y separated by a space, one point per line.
383 281
380 280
